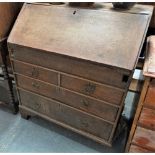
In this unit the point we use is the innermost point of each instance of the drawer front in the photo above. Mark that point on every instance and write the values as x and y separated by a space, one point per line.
147 118
137 149
98 108
35 72
108 94
86 69
150 96
144 138
65 114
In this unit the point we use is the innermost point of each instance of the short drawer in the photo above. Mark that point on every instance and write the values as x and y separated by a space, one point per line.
89 70
36 72
99 91
90 105
65 114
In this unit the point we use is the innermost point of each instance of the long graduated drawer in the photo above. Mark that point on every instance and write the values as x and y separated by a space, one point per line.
82 121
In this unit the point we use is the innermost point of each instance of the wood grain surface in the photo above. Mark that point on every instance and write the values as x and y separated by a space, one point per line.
149 65
64 113
36 72
144 138
147 118
86 30
99 91
134 149
99 108
8 14
150 97
86 69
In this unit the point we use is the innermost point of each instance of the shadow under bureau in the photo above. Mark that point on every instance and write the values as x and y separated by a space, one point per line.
73 66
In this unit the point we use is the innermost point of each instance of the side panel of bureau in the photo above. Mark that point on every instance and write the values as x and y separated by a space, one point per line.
93 106
64 113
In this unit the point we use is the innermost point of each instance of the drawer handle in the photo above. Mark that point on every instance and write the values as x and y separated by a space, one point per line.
85 124
35 85
85 103
35 72
12 53
90 88
36 105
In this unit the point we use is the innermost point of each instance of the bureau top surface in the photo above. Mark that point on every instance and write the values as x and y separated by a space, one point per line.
100 35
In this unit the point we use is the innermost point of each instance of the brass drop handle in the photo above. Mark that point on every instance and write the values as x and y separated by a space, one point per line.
84 123
85 103
90 88
12 53
36 85
36 105
35 72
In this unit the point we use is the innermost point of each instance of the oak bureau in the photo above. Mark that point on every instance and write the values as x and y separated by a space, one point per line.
73 66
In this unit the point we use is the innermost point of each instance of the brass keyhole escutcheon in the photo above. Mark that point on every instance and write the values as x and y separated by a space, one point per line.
35 85
85 103
90 88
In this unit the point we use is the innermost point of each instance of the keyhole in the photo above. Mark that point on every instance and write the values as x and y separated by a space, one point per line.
125 78
74 12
